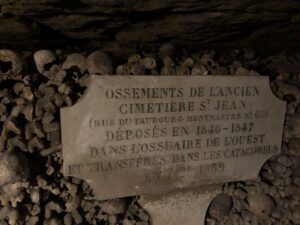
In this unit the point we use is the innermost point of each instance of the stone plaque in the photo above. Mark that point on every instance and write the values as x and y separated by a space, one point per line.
132 135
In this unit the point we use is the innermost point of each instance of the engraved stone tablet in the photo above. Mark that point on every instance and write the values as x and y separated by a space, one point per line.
132 135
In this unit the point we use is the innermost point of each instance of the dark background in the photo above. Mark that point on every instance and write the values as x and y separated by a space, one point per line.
119 26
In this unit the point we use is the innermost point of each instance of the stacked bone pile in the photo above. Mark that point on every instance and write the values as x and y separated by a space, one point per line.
33 86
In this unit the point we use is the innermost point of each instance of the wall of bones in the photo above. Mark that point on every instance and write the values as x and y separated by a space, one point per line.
34 85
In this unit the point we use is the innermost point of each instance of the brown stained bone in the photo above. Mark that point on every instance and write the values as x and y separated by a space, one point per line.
134 58
68 219
220 206
2 109
168 70
76 216
49 91
256 187
47 118
51 127
206 58
52 206
248 216
10 126
84 81
13 167
12 214
278 170
114 206
242 71
20 101
188 62
35 194
199 70
294 125
42 58
149 63
54 138
34 128
50 170
182 70
58 99
260 205
68 100
99 62
7 99
48 162
73 202
295 217
16 110
137 69
55 75
16 61
75 60
64 88
284 160
27 80
28 110
44 105
39 107
119 70
18 87
33 220
53 221
124 69
27 93
240 193
72 188
41 90
284 89
2 143
167 61
41 182
220 70
35 144
12 143
4 92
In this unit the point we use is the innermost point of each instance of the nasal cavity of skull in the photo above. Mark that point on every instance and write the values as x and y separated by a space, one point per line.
74 72
48 66
5 66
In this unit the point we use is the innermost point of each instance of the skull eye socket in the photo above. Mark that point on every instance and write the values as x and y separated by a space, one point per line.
5 66
48 66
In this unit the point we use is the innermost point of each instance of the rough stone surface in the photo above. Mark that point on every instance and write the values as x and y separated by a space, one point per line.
120 23
187 207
